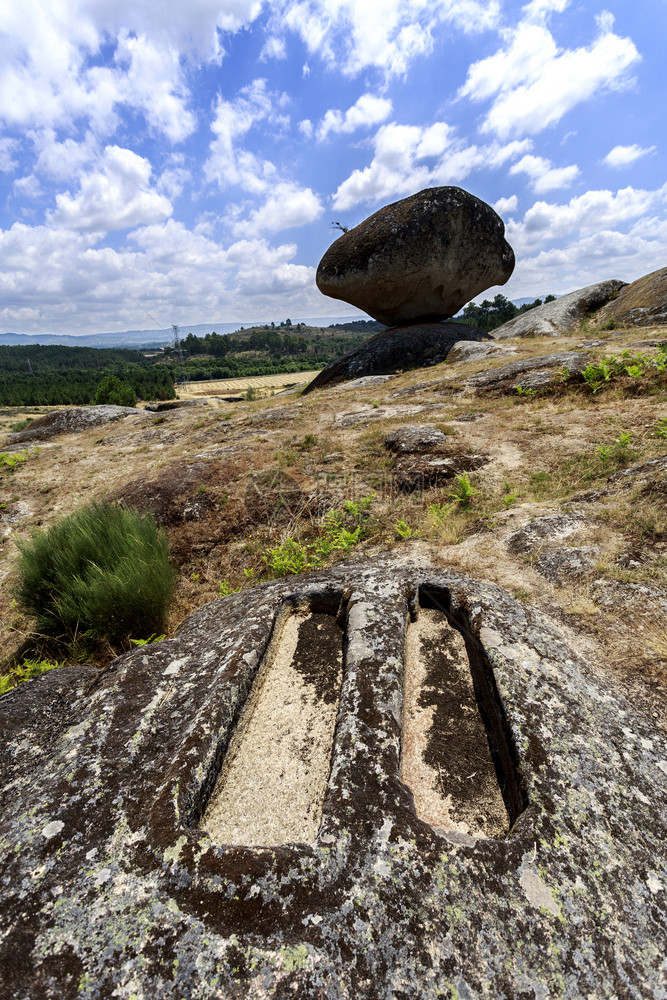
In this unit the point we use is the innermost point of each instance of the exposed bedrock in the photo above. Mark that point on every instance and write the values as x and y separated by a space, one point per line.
563 315
642 303
500 833
401 348
421 258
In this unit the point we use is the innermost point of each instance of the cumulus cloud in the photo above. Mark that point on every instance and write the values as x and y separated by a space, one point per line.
544 177
229 163
174 177
505 205
116 195
61 281
624 156
387 34
288 205
540 10
153 82
584 261
409 157
547 223
533 83
47 78
367 110
273 48
7 149
61 160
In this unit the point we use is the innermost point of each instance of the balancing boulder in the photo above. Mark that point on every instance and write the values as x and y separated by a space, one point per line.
419 259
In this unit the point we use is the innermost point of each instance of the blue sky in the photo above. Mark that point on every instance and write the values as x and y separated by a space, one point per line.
185 161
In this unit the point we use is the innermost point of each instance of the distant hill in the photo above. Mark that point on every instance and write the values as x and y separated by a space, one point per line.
151 338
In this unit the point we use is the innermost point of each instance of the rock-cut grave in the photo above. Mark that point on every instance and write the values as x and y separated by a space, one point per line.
376 781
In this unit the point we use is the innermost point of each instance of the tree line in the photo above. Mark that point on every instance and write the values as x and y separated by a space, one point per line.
489 315
53 375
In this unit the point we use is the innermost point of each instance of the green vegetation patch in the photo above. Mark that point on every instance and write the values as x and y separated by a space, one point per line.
100 574
25 671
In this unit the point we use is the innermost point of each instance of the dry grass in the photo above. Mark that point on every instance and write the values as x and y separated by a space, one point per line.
269 470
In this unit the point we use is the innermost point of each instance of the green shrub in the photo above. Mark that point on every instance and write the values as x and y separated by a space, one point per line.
20 425
102 573
114 392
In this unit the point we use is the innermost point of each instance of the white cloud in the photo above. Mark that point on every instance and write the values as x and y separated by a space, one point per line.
403 163
367 110
46 78
595 211
624 156
534 84
61 160
287 206
306 128
505 205
7 149
540 10
174 178
58 280
543 176
607 254
116 195
153 82
27 187
387 34
273 48
228 164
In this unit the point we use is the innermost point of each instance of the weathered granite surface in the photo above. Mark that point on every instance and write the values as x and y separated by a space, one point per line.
109 888
641 303
563 315
529 373
420 258
398 349
71 419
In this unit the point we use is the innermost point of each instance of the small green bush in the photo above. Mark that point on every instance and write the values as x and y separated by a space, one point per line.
9 460
25 671
113 391
102 573
464 491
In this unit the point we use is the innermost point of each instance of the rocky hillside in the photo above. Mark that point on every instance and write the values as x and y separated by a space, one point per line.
494 462
405 737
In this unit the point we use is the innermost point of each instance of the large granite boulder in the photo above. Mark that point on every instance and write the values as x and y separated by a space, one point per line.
140 860
421 258
563 315
641 303
398 349
72 420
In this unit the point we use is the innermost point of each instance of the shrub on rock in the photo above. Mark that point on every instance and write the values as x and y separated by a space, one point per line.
101 573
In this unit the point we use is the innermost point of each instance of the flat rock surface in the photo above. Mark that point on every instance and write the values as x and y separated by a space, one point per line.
641 303
415 438
530 373
561 316
111 887
74 418
421 258
398 349
468 350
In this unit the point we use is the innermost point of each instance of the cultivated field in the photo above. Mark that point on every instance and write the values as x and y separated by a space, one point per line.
233 386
